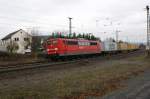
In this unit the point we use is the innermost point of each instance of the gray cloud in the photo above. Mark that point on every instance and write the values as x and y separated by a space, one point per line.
50 15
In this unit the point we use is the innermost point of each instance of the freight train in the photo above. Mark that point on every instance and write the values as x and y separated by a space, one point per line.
64 47
111 46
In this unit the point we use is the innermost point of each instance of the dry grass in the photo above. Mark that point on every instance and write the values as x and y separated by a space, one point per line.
19 59
93 81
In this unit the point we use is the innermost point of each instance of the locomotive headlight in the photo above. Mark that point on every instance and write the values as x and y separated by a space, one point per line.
56 49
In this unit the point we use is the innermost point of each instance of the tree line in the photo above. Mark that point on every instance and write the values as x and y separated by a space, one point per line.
88 36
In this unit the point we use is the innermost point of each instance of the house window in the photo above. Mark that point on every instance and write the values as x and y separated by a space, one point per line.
26 39
16 39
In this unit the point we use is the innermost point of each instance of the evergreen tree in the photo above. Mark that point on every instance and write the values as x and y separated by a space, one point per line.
67 36
87 36
70 35
53 35
62 35
92 37
83 35
79 35
74 35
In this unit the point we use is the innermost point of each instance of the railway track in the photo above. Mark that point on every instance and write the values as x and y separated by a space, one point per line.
32 66
19 67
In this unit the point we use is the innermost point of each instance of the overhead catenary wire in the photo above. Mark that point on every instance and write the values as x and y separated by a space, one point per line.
42 25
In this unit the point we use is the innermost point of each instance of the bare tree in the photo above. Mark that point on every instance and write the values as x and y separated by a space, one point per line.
35 43
12 47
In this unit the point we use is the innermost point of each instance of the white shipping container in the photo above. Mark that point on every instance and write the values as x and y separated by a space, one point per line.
102 46
109 45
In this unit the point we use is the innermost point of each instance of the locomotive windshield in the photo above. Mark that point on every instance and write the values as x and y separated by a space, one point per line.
51 42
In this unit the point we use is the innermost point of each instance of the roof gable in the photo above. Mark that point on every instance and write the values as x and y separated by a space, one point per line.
10 35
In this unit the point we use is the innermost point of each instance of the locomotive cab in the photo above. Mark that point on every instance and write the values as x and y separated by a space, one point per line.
52 47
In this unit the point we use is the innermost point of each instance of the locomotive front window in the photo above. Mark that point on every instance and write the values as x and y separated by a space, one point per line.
52 42
49 42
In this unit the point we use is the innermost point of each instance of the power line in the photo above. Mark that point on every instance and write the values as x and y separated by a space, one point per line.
30 21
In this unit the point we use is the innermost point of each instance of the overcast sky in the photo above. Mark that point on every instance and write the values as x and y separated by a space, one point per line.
100 17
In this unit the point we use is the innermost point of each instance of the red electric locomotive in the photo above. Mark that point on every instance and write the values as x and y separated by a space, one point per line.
70 47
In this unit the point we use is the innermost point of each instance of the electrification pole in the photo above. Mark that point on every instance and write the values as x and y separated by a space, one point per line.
117 37
70 25
148 34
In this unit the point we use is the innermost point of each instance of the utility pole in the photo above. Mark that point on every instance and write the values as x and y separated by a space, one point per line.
117 40
148 34
70 25
117 36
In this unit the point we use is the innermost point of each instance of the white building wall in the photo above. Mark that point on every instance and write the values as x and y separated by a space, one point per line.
102 46
3 46
21 42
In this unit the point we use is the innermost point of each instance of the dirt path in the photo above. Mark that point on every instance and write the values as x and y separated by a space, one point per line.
136 88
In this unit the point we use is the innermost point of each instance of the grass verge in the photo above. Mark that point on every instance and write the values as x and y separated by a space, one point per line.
85 82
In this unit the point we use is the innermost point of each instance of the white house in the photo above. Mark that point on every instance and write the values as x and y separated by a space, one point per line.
22 39
3 46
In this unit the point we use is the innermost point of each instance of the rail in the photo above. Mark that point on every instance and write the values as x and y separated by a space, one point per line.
19 67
